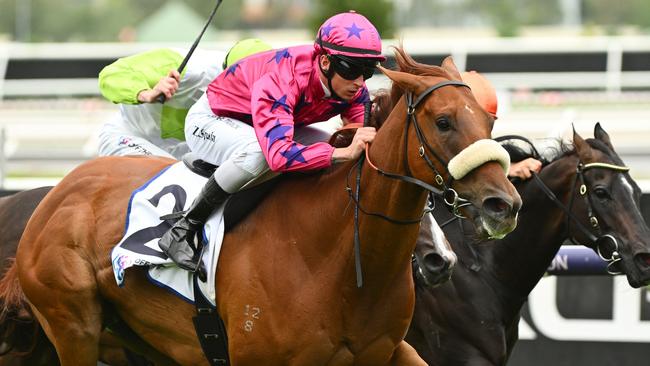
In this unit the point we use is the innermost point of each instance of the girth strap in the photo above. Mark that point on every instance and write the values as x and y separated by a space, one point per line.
210 329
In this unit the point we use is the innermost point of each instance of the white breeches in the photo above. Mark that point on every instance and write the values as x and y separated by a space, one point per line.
232 145
116 138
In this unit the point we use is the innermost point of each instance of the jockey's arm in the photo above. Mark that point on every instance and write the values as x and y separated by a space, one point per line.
272 105
141 78
363 136
523 169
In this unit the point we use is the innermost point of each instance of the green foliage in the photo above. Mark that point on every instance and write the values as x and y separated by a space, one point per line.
379 12
508 16
616 14
100 20
103 20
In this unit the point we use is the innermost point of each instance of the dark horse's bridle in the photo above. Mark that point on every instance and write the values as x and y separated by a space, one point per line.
599 240
450 196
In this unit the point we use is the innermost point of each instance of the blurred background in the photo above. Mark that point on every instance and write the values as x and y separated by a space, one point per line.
553 62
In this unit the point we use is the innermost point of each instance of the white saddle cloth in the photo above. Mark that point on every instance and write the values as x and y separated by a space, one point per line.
171 190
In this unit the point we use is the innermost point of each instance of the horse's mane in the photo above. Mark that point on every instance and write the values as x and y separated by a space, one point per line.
406 63
599 145
520 148
385 100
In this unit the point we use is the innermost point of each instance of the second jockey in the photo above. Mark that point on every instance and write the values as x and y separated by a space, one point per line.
145 127
251 121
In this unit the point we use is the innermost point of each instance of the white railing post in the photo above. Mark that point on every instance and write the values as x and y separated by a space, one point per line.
459 53
614 66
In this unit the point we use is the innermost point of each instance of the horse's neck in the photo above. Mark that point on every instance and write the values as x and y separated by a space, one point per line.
386 246
522 257
322 216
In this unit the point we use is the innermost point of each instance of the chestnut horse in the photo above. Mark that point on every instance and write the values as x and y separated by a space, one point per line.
473 319
291 261
23 342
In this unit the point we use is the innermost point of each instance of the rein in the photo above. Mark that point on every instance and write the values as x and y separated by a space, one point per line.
449 195
601 239
455 201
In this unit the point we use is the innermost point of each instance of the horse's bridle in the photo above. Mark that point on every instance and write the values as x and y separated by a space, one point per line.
599 239
449 195
455 202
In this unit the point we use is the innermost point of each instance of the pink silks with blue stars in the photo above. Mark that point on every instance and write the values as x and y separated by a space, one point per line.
276 91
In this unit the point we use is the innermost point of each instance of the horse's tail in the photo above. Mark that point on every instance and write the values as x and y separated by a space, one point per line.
18 327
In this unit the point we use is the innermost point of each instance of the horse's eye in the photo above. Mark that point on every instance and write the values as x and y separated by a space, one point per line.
601 193
443 124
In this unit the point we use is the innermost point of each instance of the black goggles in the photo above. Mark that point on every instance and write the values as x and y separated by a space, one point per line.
350 69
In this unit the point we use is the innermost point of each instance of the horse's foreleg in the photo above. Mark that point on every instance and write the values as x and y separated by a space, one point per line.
405 355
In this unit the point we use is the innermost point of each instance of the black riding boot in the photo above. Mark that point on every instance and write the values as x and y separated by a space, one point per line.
179 242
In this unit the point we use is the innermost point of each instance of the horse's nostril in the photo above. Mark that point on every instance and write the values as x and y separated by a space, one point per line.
643 260
435 263
497 206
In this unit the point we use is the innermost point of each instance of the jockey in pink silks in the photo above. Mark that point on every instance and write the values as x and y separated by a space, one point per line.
252 120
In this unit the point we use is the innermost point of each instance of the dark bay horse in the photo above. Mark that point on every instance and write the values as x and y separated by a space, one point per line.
22 340
473 319
292 259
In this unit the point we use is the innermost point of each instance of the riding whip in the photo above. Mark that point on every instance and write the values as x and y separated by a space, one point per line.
161 98
367 107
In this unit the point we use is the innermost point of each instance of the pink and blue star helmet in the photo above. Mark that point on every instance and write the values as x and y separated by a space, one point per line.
349 34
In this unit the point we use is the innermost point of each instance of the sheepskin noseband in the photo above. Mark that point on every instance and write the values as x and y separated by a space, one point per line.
477 154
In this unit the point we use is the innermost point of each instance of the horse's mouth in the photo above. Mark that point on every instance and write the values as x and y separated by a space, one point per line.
490 229
430 280
639 273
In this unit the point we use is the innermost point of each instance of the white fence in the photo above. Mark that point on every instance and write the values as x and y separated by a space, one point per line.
47 138
612 77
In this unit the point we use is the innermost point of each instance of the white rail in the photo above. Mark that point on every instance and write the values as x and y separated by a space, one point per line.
611 78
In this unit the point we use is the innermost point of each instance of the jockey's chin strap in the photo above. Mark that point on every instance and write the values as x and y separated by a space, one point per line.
595 240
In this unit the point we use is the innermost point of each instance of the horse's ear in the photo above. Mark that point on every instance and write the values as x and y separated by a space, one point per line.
600 134
582 147
405 80
449 66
